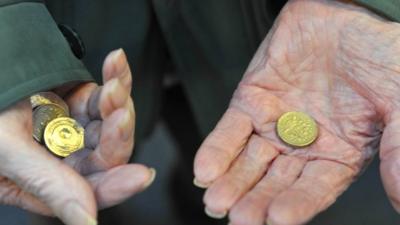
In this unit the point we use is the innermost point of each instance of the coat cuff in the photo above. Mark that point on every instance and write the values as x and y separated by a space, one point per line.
34 54
387 8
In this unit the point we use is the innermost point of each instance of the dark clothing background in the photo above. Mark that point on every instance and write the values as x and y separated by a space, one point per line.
202 48
187 58
208 43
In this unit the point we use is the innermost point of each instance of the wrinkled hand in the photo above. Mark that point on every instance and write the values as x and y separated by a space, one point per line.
96 176
340 64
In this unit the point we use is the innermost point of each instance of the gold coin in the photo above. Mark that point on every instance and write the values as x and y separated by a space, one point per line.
297 129
42 115
63 136
44 98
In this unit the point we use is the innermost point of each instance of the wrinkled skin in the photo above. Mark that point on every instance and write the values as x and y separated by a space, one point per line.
96 177
340 64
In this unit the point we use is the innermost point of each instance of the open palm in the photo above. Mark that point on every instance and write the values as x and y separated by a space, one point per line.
304 65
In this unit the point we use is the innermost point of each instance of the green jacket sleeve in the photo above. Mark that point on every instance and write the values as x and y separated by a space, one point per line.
34 55
388 8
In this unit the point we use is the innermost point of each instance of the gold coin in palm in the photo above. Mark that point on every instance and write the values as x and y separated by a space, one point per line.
297 129
42 115
64 136
44 98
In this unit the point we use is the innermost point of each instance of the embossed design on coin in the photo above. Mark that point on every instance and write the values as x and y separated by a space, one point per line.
297 129
63 136
42 115
44 98
37 100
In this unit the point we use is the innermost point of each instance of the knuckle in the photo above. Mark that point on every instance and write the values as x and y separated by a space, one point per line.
259 149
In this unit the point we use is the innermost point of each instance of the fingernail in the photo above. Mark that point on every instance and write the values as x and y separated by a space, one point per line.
214 214
199 184
126 80
151 179
125 125
113 57
121 62
116 54
74 214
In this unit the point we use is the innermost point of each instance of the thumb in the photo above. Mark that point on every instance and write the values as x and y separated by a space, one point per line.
58 186
390 159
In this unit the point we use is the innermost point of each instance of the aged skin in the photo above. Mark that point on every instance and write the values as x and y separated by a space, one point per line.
33 179
340 64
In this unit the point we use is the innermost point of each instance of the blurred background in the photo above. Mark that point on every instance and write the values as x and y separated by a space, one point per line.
173 117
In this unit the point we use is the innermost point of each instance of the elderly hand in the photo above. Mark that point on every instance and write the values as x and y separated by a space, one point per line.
338 63
33 179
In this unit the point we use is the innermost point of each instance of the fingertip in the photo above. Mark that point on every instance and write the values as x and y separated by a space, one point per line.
126 124
120 183
199 184
109 66
119 128
220 196
140 177
209 165
113 96
214 214
74 214
152 177
130 106
205 170
116 66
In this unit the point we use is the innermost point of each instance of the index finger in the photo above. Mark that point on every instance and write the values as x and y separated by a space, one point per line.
222 146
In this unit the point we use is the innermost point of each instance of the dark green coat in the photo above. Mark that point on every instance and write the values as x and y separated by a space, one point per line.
209 42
